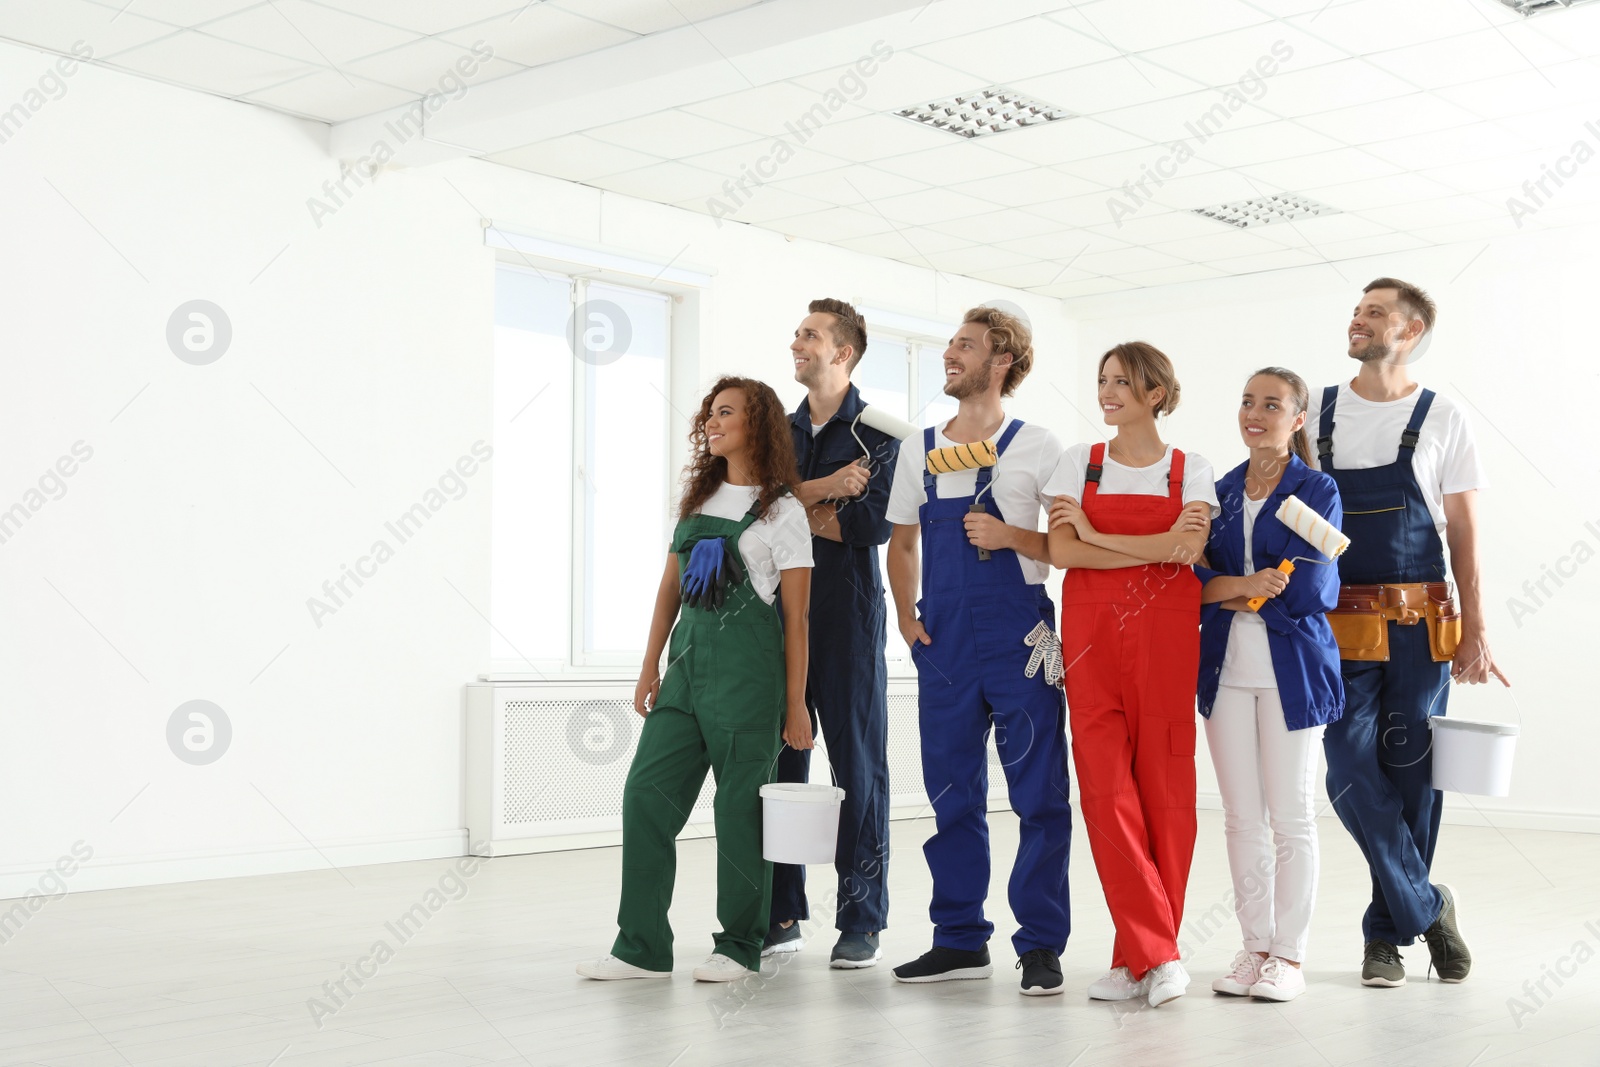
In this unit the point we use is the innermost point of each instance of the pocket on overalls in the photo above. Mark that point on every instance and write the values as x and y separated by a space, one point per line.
1181 772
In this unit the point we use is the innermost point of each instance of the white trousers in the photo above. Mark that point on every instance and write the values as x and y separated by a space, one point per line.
1267 775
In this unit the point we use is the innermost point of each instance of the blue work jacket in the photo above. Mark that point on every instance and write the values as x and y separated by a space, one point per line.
1305 658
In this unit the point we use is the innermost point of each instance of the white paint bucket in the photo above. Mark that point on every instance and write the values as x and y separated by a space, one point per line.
1473 757
800 822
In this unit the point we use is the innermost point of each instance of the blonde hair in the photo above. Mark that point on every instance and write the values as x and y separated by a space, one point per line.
1006 334
1148 368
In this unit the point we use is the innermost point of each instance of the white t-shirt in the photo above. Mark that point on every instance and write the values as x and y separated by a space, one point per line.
1115 478
1016 485
816 428
1367 433
779 542
1247 663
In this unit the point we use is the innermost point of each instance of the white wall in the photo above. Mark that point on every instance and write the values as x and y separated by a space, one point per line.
218 499
1515 345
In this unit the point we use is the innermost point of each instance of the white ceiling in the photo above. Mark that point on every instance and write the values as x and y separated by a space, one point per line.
1415 121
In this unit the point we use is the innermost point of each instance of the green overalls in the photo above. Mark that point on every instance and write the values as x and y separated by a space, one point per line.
721 706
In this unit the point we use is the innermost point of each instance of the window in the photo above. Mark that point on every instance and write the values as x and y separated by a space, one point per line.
580 469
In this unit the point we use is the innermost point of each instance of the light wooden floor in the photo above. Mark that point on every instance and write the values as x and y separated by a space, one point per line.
216 974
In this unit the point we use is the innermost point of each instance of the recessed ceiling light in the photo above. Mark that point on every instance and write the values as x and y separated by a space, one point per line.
983 112
1264 210
1529 8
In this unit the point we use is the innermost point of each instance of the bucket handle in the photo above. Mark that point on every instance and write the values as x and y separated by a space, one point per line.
816 742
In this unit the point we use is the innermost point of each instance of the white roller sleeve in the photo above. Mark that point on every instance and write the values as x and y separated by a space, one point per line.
881 420
1322 534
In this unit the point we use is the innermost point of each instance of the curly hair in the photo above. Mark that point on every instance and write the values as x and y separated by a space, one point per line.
770 449
1007 335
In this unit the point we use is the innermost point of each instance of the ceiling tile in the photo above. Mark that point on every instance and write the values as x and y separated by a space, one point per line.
769 110
1333 85
832 224
1379 244
1245 60
1088 287
308 32
1125 260
1066 247
876 137
1155 225
174 12
212 65
1526 90
908 243
1026 187
1227 242
1136 28
1106 85
976 258
930 205
1485 229
1280 260
421 65
1322 168
1264 143
671 134
1287 8
1189 272
575 157
1091 209
61 24
1364 26
1323 229
1001 55
995 226
1460 144
1502 174
1029 275
329 96
1388 191
960 161
764 204
760 161
1191 117
900 81
1471 57
1382 120
1120 168
540 34
667 182
1187 192
423 16
849 185
1063 142
652 16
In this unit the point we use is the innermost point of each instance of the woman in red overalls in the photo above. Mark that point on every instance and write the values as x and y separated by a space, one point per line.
1128 520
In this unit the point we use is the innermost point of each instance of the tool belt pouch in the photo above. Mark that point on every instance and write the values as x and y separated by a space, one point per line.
1361 635
1444 629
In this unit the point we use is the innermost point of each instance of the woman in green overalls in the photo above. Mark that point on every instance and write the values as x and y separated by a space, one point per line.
735 679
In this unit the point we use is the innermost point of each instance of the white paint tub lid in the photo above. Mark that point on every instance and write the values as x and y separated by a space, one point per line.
1436 721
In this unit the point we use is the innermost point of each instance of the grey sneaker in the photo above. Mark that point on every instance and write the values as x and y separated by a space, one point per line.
1449 952
782 939
855 951
1381 965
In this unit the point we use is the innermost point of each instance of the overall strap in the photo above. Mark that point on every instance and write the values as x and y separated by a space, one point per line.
1175 477
1091 476
986 473
927 475
1413 430
1330 396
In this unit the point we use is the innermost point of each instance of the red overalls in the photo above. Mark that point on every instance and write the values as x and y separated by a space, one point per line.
1131 641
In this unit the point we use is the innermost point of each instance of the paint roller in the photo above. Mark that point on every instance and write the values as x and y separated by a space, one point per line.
966 457
1321 534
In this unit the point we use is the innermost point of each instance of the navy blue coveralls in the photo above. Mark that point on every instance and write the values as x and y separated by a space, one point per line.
847 683
1380 760
971 678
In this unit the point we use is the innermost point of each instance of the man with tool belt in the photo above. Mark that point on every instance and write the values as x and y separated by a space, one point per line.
846 469
1408 475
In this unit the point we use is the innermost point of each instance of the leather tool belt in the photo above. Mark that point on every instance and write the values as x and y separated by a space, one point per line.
1361 621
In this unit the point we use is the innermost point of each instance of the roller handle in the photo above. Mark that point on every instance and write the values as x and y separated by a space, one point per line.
983 553
1255 602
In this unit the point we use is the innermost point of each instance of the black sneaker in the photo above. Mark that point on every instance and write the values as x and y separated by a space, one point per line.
782 939
1041 973
945 965
1450 956
1381 965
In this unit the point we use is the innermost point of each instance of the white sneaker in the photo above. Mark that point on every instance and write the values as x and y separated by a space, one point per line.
1167 982
1246 973
1280 980
1116 984
719 968
609 969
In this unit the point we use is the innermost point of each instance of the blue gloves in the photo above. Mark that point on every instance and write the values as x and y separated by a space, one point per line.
711 571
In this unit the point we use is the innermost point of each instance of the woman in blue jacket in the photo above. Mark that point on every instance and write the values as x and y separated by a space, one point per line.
1269 682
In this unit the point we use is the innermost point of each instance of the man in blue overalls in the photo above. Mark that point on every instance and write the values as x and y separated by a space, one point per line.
846 468
983 638
1408 475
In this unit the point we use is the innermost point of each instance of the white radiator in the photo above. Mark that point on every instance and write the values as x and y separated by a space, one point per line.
546 763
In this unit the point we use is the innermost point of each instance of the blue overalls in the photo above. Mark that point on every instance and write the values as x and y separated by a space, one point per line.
1380 760
971 678
847 682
